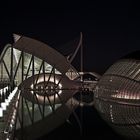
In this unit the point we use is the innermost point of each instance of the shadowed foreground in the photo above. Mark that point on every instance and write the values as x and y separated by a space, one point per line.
93 127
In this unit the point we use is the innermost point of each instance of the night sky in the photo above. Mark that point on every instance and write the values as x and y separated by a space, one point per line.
110 30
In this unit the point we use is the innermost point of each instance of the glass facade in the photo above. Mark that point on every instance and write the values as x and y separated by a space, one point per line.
45 82
39 89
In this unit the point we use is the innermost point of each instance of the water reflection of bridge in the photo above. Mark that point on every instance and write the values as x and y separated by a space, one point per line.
37 87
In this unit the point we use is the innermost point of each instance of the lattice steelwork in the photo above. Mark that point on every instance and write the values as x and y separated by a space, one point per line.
38 93
36 89
117 97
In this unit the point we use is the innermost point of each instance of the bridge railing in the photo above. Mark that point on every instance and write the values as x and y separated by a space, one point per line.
8 116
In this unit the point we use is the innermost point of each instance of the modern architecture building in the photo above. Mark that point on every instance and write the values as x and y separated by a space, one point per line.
37 85
117 96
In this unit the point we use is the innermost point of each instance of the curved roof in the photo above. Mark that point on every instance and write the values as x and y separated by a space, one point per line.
42 51
117 97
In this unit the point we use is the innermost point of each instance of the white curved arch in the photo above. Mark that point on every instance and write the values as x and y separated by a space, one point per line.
42 51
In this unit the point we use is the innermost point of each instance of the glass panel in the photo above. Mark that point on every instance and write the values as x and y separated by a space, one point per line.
27 60
7 59
71 74
37 65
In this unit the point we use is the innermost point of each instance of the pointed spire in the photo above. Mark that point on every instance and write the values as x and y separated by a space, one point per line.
16 37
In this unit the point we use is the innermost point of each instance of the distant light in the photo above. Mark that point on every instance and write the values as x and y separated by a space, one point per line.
1 112
126 96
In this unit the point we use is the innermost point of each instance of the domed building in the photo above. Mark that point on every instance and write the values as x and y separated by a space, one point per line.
117 96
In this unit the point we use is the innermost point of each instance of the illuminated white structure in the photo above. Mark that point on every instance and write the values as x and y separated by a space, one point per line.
42 85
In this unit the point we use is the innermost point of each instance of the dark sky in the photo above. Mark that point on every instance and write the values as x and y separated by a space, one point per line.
110 30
